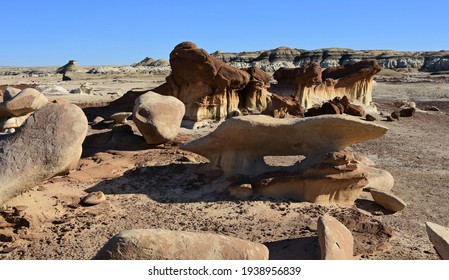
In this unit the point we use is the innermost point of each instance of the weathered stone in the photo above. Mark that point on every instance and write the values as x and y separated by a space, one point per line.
161 244
238 145
378 179
336 241
207 86
439 236
120 117
26 101
407 112
388 200
355 110
158 117
314 86
338 179
13 122
47 144
395 115
52 90
93 198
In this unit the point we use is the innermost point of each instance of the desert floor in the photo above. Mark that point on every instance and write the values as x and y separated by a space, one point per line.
156 187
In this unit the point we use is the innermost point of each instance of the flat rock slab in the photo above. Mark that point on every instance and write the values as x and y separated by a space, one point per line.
388 200
439 236
161 244
239 144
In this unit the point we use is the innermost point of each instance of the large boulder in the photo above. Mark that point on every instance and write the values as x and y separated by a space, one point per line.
26 101
160 244
158 117
47 144
238 145
336 241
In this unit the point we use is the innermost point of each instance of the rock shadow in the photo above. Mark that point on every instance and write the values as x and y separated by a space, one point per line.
305 248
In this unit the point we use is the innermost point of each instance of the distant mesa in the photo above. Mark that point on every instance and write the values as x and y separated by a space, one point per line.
71 66
148 61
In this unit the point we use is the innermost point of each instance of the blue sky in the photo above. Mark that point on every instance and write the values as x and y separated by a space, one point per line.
122 32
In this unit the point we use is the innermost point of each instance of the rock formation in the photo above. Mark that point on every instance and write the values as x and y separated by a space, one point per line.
336 241
48 144
338 179
387 200
313 86
260 136
158 117
207 86
160 244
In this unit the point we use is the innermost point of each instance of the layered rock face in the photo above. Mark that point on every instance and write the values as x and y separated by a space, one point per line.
314 86
207 86
272 60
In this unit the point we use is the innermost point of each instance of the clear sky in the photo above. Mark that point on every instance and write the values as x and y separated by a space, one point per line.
110 32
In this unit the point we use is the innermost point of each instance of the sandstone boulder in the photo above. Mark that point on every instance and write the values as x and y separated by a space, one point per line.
388 200
439 236
161 244
336 241
238 145
158 117
47 144
26 101
120 117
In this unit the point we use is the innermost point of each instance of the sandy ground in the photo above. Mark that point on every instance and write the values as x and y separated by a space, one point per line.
156 187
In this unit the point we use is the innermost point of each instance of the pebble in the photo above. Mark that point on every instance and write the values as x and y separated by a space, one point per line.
93 198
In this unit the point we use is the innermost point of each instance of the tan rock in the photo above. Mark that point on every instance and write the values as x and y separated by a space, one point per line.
26 101
161 244
336 241
49 143
158 117
120 117
93 198
379 179
439 236
242 191
388 200
338 179
14 122
239 144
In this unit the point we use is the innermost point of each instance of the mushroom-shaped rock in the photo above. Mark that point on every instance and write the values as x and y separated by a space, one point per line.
161 244
206 85
239 145
336 241
48 143
120 117
158 117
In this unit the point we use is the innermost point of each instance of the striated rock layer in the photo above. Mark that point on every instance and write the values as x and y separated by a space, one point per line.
313 86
